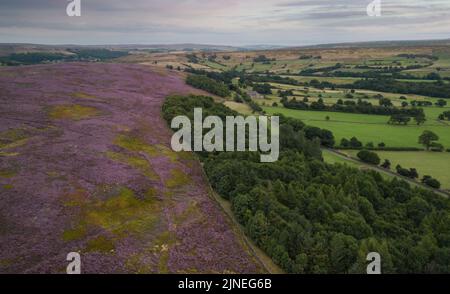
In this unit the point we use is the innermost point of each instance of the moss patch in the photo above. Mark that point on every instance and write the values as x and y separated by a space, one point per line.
177 179
137 162
77 233
123 213
14 144
116 209
100 244
73 112
162 246
82 95
132 142
7 173
76 199
136 264
8 187
191 211
13 138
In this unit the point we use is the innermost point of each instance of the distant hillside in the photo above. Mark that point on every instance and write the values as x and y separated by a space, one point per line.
380 44
6 49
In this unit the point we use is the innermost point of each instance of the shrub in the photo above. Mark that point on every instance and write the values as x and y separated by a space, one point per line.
345 143
264 89
255 107
386 164
369 157
431 182
437 147
409 173
354 142
238 99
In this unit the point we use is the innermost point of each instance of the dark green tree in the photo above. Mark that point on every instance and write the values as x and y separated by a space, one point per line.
427 138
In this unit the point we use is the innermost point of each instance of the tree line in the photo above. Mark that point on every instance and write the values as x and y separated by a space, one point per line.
313 217
361 106
77 55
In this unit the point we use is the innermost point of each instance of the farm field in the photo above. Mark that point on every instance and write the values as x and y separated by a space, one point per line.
333 158
291 62
239 107
332 96
367 128
430 163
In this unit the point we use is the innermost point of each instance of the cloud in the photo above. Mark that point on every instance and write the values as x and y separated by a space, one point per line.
235 22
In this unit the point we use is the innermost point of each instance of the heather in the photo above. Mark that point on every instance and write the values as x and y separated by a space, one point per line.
86 166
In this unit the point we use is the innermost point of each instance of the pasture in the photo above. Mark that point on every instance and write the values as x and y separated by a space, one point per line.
367 128
431 163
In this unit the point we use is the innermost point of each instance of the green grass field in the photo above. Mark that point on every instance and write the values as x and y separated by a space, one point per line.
332 158
427 163
367 128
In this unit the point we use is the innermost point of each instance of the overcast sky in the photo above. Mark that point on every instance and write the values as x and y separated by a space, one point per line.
222 22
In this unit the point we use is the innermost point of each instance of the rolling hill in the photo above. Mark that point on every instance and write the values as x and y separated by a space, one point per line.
85 166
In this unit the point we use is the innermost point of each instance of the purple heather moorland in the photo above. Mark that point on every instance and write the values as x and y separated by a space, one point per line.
85 166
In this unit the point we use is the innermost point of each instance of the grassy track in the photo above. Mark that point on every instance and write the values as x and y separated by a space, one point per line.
332 158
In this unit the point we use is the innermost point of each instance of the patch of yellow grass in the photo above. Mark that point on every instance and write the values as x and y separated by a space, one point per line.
75 199
77 233
100 244
242 108
162 246
82 95
7 173
121 214
8 154
137 162
133 143
177 179
73 112
8 187
12 138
